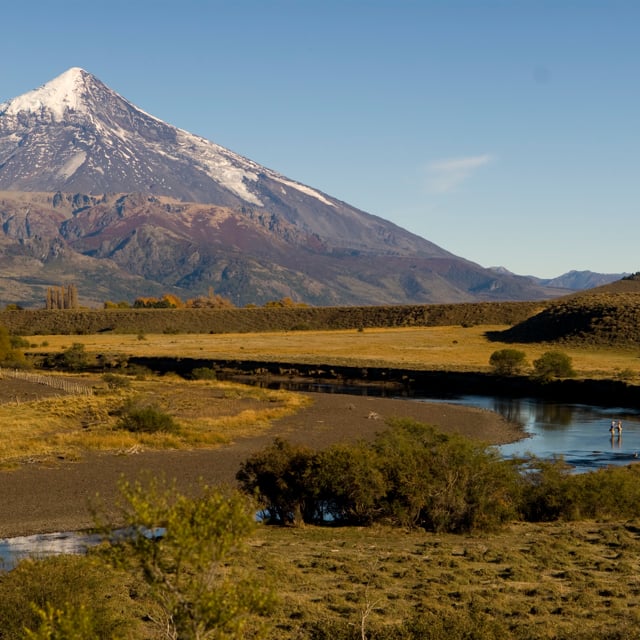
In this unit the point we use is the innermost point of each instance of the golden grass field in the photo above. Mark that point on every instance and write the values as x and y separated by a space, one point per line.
533 581
575 580
441 348
212 413
209 413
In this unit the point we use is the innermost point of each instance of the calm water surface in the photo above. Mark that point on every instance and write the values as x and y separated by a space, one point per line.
579 433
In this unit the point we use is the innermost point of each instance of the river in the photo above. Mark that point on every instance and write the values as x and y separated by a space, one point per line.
579 433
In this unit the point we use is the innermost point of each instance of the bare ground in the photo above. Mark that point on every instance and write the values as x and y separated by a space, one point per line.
37 498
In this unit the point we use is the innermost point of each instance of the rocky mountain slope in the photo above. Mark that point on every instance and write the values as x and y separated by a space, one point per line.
99 193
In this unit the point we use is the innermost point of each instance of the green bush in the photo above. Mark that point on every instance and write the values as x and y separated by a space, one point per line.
189 569
350 483
552 492
18 342
10 354
507 362
281 477
410 475
548 492
35 589
553 364
146 419
115 381
75 358
203 373
444 482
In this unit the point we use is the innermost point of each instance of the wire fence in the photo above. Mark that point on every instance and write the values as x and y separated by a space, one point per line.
55 382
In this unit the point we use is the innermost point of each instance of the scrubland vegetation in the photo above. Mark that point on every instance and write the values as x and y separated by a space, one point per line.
125 413
430 537
413 534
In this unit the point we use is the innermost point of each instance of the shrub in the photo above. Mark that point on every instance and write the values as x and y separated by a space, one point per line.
115 381
75 358
280 477
188 567
444 483
350 484
553 364
10 354
506 362
410 475
55 592
146 419
547 493
606 493
19 342
203 373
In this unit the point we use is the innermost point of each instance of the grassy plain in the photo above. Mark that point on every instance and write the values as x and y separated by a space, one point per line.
559 580
454 348
55 427
208 414
546 580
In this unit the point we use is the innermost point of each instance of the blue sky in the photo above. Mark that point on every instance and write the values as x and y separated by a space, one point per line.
505 132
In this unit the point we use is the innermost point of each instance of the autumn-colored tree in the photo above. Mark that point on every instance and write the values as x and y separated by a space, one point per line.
168 301
62 297
173 301
285 302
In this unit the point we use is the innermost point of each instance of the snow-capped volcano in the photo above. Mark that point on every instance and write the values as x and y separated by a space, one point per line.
74 134
65 93
202 216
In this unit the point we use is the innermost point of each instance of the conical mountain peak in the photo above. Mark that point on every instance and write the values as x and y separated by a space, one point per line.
78 139
68 91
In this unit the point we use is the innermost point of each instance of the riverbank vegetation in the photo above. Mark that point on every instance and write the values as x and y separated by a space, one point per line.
412 476
451 348
129 413
570 573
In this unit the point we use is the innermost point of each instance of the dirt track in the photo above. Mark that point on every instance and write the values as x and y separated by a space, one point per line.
57 497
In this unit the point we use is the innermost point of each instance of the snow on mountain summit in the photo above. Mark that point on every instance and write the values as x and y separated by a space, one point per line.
66 91
75 133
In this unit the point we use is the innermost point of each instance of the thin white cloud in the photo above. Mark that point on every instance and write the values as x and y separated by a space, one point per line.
444 176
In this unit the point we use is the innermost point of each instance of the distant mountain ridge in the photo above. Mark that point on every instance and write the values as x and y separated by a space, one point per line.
572 280
98 192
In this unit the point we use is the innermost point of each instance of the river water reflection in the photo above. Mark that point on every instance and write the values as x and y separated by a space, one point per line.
579 433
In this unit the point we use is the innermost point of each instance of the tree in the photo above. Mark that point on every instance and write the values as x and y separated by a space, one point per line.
168 301
280 478
182 548
75 358
10 355
507 362
553 364
62 297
